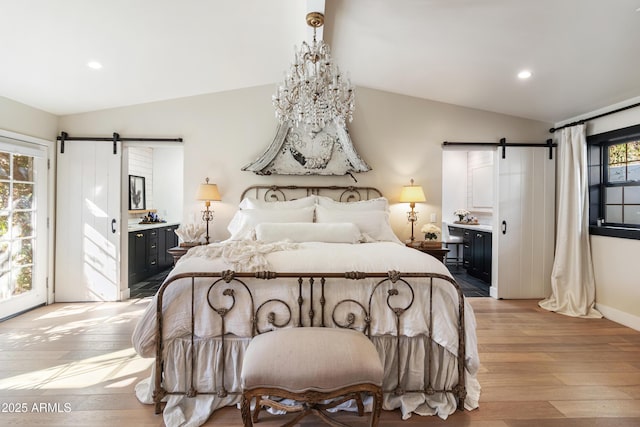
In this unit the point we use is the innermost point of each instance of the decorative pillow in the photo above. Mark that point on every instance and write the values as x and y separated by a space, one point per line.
245 221
378 204
253 203
372 223
299 232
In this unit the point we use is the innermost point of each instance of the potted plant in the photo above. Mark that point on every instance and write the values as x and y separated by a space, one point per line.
431 234
461 214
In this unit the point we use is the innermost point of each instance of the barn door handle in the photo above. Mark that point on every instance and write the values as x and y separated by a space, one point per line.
113 226
504 227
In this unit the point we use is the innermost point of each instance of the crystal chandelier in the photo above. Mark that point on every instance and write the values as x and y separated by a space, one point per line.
314 92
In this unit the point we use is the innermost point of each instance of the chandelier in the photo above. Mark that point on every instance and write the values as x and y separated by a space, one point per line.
314 92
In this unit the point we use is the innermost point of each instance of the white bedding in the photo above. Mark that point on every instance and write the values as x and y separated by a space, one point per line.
311 257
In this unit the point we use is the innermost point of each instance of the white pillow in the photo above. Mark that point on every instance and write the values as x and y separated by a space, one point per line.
243 224
299 232
253 203
373 223
378 204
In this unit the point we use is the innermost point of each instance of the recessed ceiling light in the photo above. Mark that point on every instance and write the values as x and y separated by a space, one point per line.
94 64
524 74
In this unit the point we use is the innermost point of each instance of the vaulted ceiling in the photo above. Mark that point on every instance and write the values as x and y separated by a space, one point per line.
583 54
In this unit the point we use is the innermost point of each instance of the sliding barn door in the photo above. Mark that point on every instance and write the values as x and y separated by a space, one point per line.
88 222
524 223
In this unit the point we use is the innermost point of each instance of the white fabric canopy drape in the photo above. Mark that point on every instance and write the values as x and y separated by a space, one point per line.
572 279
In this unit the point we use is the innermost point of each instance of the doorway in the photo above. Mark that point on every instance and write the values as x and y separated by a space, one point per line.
160 166
512 204
467 184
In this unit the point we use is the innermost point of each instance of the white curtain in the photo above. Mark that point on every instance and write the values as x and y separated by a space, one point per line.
572 280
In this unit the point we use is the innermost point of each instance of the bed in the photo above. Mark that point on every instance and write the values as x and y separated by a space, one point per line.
308 256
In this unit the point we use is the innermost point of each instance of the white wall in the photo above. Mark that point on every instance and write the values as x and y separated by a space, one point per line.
20 118
168 182
162 167
140 163
616 266
399 136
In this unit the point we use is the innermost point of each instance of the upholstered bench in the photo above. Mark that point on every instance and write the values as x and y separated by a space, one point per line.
310 365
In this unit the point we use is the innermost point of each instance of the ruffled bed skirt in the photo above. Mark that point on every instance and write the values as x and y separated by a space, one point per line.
184 411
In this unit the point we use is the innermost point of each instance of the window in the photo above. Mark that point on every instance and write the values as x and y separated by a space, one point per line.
614 183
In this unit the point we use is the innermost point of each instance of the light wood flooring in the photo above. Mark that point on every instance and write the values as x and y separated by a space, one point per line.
72 364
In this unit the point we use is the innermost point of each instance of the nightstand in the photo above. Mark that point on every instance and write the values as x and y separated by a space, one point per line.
177 251
433 249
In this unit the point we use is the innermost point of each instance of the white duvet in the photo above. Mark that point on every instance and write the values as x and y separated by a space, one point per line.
311 258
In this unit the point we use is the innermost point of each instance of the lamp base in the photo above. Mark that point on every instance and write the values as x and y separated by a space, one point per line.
207 217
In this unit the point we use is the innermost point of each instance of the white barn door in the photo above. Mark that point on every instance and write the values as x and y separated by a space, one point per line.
524 223
88 222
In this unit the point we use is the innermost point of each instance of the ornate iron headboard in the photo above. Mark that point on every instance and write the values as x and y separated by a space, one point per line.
275 193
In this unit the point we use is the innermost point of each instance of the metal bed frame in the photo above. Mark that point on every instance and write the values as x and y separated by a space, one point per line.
395 288
279 193
224 286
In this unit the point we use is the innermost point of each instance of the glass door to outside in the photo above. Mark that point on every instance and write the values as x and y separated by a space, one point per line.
23 234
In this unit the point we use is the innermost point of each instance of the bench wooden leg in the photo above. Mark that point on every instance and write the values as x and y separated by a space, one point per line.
377 408
308 405
245 410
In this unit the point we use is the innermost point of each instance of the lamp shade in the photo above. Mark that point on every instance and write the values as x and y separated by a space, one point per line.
412 194
208 192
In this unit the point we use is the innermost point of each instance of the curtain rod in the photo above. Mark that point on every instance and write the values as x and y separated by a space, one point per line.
579 122
114 138
504 144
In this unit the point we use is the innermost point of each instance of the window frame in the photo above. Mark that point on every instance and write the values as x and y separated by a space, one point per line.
598 169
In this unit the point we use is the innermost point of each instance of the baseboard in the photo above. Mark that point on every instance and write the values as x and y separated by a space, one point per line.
626 319
125 295
493 292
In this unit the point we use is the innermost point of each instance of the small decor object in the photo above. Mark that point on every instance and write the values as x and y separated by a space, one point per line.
431 231
151 218
190 234
137 199
461 214
412 194
472 220
208 193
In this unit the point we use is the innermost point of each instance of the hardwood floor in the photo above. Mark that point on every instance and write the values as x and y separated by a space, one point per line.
72 364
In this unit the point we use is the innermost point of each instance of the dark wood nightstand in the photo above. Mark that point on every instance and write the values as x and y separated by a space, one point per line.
433 249
177 251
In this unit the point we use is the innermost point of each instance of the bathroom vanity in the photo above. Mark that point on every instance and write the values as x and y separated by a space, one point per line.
476 249
148 245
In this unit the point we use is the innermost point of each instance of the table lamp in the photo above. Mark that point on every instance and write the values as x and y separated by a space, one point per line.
209 193
412 194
